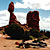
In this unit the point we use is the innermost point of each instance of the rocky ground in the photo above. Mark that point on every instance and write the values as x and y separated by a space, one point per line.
9 44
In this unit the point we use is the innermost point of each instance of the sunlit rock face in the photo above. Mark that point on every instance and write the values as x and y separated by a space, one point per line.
33 19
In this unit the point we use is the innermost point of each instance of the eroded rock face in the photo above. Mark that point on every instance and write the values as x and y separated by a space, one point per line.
12 16
29 16
11 7
33 19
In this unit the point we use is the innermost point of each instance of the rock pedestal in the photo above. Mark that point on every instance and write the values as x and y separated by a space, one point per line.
12 16
11 7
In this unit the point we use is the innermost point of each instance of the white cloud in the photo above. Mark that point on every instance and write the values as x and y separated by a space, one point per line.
4 18
19 5
34 4
45 23
21 17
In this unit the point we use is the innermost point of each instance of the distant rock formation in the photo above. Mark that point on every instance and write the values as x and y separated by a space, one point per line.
33 20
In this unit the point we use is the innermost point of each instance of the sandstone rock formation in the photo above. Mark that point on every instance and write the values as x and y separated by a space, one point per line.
12 16
11 7
33 20
29 16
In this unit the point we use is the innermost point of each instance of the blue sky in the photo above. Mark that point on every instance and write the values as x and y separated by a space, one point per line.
22 7
5 3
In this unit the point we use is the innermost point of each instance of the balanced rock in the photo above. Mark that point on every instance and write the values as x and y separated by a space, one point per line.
11 7
12 16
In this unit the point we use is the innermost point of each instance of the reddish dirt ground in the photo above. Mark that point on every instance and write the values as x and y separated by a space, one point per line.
9 44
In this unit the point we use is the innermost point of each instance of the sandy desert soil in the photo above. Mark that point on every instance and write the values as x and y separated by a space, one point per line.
9 44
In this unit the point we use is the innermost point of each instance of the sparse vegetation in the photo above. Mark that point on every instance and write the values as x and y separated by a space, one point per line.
47 34
44 37
26 35
35 33
32 37
15 31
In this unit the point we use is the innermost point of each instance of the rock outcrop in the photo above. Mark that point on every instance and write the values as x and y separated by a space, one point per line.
13 18
33 20
29 20
11 7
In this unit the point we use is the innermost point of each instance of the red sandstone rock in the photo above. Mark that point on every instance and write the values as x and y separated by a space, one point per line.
35 15
12 16
29 18
33 19
11 7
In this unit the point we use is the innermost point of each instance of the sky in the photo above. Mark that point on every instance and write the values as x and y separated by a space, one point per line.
22 7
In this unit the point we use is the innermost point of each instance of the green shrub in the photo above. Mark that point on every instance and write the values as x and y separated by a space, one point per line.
26 35
15 31
35 33
44 37
47 34
32 37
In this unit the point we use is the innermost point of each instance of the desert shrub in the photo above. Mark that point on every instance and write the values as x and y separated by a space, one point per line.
15 31
26 35
41 31
47 34
35 33
44 37
32 37
3 33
